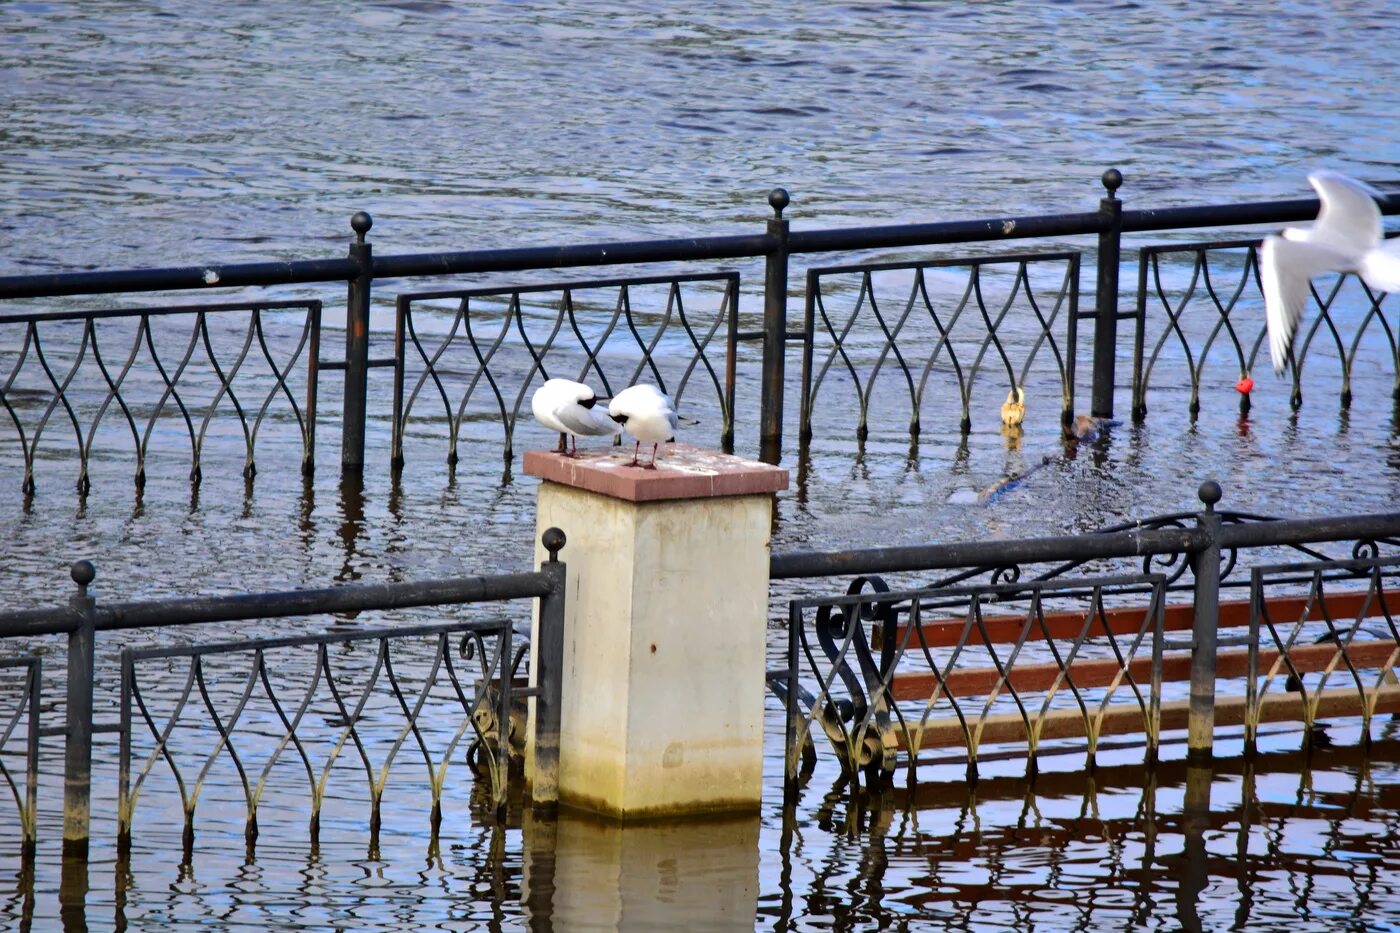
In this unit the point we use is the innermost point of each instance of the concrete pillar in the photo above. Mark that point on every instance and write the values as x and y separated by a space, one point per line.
665 622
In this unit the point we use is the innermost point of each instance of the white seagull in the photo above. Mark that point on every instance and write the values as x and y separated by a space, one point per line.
646 413
567 407
1345 238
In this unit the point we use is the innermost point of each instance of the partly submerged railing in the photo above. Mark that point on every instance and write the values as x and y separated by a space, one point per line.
1030 642
495 345
300 700
923 344
162 376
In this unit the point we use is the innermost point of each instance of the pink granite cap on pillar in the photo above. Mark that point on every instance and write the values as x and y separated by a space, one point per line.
682 472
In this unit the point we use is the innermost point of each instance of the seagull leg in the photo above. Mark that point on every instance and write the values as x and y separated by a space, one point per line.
574 452
563 443
635 451
652 465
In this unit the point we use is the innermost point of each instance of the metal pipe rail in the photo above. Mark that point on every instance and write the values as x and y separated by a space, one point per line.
839 239
117 616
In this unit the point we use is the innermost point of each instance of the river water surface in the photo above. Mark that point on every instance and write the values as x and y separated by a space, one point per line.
163 134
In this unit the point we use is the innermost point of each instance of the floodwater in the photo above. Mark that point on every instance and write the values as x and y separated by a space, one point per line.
168 134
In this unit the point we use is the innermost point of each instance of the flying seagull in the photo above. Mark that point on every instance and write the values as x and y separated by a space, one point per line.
1345 238
646 413
567 407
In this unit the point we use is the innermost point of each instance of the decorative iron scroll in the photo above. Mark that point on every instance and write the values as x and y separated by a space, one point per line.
508 341
941 335
54 369
881 673
464 703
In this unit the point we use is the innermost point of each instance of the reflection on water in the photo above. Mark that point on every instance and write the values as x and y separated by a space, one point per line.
1289 840
581 873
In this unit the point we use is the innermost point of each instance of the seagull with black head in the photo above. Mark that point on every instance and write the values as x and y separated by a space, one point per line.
568 407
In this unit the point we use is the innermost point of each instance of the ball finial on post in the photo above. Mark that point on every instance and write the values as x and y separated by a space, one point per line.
553 540
1209 494
83 573
361 224
778 199
1112 181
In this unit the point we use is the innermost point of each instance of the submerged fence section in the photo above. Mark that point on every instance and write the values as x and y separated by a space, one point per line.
1047 645
157 379
443 693
901 333
470 358
1024 647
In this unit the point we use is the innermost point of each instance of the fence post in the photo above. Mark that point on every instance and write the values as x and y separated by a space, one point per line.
548 652
352 444
1205 566
775 293
77 756
1106 297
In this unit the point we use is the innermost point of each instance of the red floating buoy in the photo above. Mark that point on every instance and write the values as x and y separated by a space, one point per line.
1244 386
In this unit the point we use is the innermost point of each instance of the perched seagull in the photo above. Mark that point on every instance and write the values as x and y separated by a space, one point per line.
1013 410
567 407
647 414
1345 238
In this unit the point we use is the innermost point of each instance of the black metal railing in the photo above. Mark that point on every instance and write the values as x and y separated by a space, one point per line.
935 348
1211 307
25 713
1029 640
496 345
436 686
1110 224
1313 656
174 373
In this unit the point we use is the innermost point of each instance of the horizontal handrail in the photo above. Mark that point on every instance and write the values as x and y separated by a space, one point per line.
996 553
687 249
114 616
1131 543
1331 528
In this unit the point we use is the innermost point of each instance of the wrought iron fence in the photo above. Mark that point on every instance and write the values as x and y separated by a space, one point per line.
950 666
176 372
466 693
871 669
1212 306
1336 633
471 704
24 717
509 340
934 346
690 260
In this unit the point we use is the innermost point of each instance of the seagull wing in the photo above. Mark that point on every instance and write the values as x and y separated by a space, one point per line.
1285 269
586 422
1381 266
1350 220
